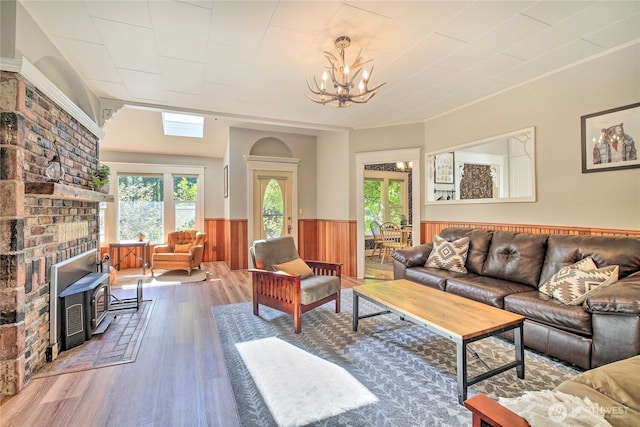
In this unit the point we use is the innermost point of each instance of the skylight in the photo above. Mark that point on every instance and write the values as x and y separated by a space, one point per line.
183 125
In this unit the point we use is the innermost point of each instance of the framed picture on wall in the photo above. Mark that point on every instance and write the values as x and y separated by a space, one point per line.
444 169
609 139
226 181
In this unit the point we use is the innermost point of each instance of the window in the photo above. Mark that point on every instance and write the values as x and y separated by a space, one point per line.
273 210
185 195
385 197
154 200
140 207
183 125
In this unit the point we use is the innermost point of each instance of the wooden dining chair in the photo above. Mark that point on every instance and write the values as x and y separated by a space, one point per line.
391 239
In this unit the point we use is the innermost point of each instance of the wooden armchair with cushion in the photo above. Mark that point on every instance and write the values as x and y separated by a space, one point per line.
183 251
283 281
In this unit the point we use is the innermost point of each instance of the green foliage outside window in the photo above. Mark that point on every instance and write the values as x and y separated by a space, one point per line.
273 210
373 206
141 207
185 194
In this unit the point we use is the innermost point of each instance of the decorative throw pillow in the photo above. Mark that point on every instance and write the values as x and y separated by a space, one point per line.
447 255
183 249
574 283
296 266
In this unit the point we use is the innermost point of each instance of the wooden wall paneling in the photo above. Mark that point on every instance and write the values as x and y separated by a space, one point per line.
236 247
308 239
430 228
337 243
215 248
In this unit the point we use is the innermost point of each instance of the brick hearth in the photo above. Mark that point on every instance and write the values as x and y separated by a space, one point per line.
37 230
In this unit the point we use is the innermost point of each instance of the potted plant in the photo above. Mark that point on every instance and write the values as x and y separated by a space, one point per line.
100 177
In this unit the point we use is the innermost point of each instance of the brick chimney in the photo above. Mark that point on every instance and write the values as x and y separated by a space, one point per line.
40 223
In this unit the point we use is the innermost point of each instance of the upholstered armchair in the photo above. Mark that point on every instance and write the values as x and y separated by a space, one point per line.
281 280
183 251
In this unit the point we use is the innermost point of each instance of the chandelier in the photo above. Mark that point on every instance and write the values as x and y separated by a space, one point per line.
343 76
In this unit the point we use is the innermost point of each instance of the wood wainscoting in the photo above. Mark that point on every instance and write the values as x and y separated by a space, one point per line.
227 241
429 228
330 241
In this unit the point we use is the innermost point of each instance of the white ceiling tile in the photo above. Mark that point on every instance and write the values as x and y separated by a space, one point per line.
240 24
144 85
496 64
92 59
510 32
480 17
218 95
181 30
553 12
251 58
556 59
228 65
474 91
305 17
282 49
422 55
128 12
618 33
182 76
360 25
110 90
184 100
65 19
129 46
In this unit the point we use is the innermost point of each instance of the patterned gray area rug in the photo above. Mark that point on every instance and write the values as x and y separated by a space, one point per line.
410 370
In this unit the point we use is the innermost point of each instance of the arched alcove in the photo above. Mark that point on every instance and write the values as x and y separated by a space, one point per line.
271 147
68 81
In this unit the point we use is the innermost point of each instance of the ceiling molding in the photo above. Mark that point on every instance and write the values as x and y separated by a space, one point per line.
29 71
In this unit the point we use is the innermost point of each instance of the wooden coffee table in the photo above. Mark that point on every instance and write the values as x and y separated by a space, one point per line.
458 319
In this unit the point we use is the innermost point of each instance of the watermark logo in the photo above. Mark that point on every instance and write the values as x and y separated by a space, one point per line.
557 412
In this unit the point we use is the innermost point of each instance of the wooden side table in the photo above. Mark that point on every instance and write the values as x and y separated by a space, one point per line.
130 246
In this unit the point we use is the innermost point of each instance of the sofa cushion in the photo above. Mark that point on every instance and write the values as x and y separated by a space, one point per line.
447 255
574 283
413 256
479 241
183 248
487 290
296 266
174 257
544 309
432 277
316 287
516 257
617 381
563 250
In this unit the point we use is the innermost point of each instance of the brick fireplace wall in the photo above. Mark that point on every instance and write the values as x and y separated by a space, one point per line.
36 230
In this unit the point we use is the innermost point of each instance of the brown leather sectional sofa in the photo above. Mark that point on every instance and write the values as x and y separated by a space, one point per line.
505 270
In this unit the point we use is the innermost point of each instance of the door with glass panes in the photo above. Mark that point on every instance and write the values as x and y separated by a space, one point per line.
272 214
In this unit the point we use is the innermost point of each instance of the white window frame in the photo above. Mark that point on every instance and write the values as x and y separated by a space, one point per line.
167 172
385 177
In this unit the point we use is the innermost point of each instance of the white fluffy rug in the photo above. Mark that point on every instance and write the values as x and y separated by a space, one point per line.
298 387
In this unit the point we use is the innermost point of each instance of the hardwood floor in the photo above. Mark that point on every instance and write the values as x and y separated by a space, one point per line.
178 378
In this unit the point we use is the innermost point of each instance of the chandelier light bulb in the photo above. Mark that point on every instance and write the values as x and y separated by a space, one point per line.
344 92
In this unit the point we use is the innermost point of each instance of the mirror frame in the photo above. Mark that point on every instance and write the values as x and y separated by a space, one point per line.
429 160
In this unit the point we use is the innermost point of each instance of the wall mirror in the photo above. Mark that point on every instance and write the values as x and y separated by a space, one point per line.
493 170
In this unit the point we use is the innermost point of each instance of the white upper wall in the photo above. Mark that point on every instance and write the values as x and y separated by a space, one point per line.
333 175
554 105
